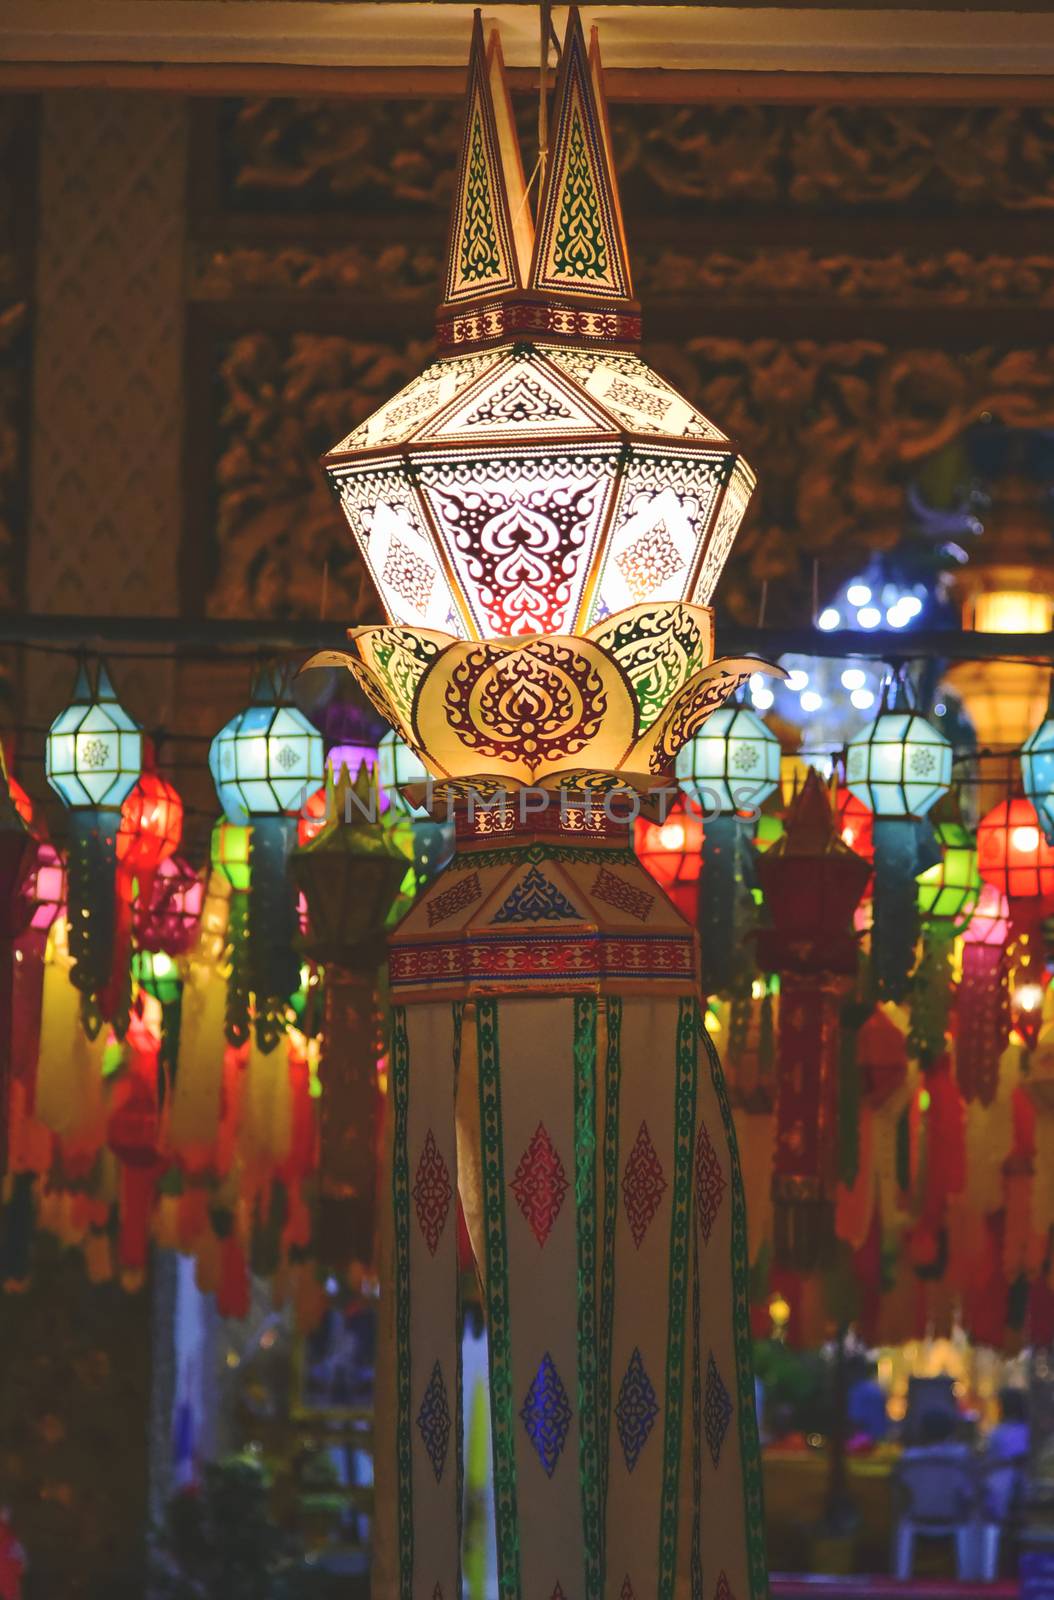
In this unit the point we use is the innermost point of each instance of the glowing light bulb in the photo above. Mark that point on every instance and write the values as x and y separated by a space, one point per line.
797 680
869 617
672 836
862 699
853 678
849 835
1025 839
764 699
924 1099
1029 997
779 1311
896 617
858 594
756 682
829 619
910 605
811 701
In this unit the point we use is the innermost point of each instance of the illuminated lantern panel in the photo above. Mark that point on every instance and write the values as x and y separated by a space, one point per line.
855 822
151 823
1037 771
990 922
1012 853
671 851
170 921
732 764
46 888
265 761
948 891
398 765
900 765
94 749
231 853
20 799
538 489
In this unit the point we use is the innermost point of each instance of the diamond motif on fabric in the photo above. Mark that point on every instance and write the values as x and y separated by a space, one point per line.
536 899
649 561
717 1410
433 1419
709 1182
546 1414
724 1589
521 399
643 1185
622 895
432 1193
408 575
462 893
540 1184
636 1410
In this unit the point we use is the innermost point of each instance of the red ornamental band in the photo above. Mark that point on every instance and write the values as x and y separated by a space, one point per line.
498 322
545 961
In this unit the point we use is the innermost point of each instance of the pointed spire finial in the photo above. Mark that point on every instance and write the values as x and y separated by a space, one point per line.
491 229
580 243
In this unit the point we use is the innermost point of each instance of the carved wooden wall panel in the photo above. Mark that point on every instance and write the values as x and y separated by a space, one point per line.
856 284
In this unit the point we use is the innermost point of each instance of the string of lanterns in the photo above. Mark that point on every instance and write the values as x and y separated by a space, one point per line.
170 1026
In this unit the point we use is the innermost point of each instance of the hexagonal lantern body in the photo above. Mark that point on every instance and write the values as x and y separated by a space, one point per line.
733 762
94 748
899 765
266 758
538 489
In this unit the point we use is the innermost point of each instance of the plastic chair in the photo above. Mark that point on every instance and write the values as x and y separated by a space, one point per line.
998 1504
939 1495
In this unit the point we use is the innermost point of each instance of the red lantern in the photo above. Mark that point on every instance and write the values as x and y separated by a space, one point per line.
314 814
812 884
855 822
1013 855
671 852
150 829
23 804
168 921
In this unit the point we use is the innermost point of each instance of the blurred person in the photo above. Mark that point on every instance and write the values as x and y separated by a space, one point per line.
1010 1438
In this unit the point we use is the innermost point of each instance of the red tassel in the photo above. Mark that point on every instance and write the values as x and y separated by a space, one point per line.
232 1295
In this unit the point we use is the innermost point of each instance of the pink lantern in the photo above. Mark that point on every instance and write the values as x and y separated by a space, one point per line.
981 1011
47 887
169 921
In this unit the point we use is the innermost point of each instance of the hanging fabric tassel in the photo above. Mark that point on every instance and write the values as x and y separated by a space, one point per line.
982 1013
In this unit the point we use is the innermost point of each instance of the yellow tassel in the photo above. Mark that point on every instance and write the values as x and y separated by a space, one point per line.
195 1111
69 1072
267 1106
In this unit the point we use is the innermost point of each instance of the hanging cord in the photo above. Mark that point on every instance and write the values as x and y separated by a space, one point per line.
547 36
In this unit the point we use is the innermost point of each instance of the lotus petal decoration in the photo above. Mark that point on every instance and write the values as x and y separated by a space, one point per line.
619 700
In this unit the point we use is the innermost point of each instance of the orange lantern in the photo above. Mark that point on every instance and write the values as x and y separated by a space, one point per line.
671 851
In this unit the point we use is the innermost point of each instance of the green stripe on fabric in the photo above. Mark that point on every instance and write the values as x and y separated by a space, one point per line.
697 1422
749 1447
497 1253
585 1066
458 1011
612 1090
680 1239
400 1089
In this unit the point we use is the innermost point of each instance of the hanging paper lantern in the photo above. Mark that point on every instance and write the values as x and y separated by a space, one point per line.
898 767
672 853
94 757
398 765
981 998
46 887
149 831
729 769
812 883
947 893
230 856
856 823
350 755
1037 769
1015 858
265 763
20 799
350 875
169 921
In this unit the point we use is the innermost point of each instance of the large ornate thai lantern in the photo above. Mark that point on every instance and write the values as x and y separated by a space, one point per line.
812 884
545 520
350 874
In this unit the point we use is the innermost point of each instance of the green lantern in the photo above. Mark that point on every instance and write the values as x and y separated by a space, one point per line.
94 757
948 891
231 852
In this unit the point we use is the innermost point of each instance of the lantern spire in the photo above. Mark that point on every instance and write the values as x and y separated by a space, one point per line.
580 252
491 229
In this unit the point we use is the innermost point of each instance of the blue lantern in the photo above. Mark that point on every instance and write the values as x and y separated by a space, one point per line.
729 768
1037 769
94 758
899 766
266 763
